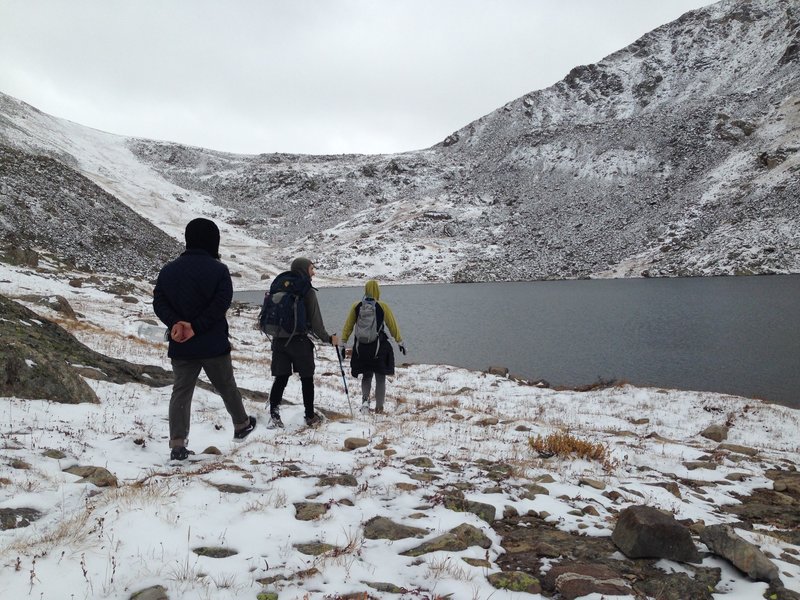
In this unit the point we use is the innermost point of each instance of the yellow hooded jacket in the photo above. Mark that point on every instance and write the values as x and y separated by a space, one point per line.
372 290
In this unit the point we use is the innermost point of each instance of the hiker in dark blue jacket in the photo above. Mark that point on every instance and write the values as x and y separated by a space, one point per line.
191 296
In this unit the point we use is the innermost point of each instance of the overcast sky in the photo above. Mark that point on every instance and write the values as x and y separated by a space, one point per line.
306 76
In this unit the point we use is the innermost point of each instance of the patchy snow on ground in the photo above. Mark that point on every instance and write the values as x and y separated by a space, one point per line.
151 529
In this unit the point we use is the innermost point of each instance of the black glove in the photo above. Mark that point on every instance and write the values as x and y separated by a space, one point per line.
402 347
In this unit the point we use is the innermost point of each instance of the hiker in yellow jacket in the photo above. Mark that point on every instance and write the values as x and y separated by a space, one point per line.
372 353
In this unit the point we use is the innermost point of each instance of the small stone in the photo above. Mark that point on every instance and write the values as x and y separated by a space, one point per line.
593 483
716 433
214 552
156 592
314 548
700 464
515 581
308 511
56 454
231 488
99 476
381 528
344 479
746 450
354 443
477 562
421 461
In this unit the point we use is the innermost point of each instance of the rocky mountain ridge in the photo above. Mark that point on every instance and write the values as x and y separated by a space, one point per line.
678 155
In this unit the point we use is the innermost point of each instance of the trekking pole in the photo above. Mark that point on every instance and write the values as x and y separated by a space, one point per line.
344 381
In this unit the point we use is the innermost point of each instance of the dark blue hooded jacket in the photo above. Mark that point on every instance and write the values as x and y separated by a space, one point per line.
196 288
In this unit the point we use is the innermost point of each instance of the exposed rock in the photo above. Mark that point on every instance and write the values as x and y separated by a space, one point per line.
515 581
381 528
477 562
693 465
422 461
458 503
344 479
777 510
716 433
457 539
738 449
55 454
214 552
99 476
389 588
308 511
646 532
37 354
155 592
13 518
232 488
530 543
353 443
723 541
21 256
532 490
54 207
573 580
499 371
27 373
598 485
314 548
671 487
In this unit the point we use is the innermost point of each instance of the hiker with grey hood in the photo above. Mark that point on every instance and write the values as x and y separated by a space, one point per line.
372 355
294 351
191 296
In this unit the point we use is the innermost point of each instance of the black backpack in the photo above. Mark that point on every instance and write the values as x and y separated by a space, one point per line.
283 310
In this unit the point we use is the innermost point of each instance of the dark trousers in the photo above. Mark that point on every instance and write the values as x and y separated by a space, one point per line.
219 371
276 394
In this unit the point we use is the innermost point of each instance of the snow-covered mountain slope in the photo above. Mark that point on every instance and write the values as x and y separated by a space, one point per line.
678 155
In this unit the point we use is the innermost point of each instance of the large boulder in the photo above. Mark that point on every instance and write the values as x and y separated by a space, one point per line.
646 532
27 373
41 360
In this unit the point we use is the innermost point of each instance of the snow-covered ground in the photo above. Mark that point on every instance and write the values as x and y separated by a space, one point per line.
110 542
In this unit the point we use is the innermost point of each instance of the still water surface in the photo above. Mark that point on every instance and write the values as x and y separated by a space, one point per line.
738 335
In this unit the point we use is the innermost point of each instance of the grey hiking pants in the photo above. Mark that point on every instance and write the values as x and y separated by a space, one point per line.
380 389
219 371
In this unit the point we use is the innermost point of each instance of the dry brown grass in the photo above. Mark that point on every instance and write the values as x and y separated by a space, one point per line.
566 445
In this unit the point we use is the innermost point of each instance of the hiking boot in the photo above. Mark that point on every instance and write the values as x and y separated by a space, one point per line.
180 453
245 431
275 422
365 408
313 420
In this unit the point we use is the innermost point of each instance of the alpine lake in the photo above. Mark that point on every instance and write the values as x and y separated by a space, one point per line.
734 335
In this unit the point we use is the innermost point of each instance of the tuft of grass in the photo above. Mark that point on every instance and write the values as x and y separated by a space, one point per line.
566 445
